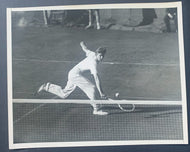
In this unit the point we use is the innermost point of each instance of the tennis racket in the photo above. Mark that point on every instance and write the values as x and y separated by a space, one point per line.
124 107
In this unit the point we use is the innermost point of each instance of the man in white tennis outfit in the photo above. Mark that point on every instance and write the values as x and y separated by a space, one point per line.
76 79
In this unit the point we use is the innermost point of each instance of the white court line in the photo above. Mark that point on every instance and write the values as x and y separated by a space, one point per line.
128 97
24 92
112 63
139 102
28 113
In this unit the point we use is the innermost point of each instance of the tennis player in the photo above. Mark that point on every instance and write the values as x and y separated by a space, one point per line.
76 79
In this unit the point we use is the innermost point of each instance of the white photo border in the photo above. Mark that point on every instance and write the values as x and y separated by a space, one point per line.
97 143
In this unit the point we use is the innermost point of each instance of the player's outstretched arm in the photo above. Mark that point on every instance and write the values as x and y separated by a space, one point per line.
84 47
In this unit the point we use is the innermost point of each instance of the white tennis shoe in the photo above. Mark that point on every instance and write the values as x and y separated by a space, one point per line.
44 87
100 112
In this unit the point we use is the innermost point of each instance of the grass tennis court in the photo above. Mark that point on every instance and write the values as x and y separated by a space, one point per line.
137 65
140 66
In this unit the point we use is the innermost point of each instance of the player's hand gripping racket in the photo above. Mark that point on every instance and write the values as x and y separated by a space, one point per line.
124 107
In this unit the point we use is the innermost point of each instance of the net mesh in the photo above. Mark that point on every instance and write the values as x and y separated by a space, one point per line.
75 122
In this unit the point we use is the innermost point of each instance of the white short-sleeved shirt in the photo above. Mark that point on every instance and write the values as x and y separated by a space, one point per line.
89 63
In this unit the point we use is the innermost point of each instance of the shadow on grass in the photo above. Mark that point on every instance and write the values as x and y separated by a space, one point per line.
162 111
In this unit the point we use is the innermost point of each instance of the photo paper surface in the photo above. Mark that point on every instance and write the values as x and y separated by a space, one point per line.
96 75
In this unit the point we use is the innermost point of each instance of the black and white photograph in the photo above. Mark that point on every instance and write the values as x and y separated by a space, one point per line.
96 75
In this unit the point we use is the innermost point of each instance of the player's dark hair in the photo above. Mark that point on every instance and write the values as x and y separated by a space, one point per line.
101 50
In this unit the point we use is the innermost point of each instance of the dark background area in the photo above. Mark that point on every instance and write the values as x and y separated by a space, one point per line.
3 77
